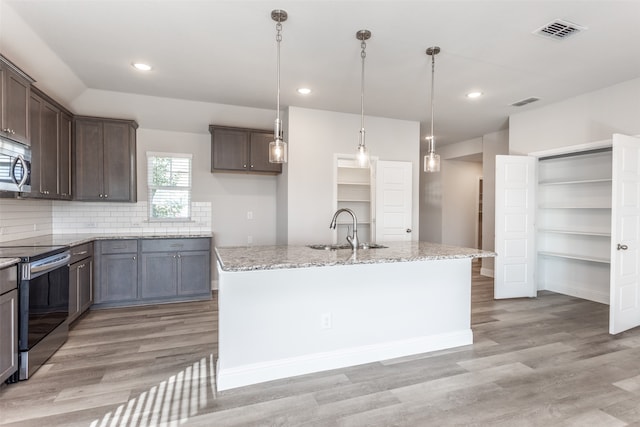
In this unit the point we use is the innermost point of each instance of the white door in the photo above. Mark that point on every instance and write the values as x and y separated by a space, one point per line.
624 294
514 225
393 201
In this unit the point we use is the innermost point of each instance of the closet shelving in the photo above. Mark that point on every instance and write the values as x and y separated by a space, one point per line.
354 191
574 223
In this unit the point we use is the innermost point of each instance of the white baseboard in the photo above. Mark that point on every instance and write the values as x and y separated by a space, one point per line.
488 272
578 292
227 378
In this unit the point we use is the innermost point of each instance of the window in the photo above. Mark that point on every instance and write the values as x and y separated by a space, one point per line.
169 182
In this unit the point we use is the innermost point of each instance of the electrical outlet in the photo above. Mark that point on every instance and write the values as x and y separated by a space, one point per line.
249 215
325 321
249 240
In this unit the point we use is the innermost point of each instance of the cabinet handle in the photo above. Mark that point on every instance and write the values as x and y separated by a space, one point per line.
179 256
134 257
409 230
106 195
244 166
81 253
101 196
622 247
251 166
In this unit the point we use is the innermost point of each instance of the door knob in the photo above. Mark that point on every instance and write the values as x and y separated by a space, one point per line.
409 230
622 247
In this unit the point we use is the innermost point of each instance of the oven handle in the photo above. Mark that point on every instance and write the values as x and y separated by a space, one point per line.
50 265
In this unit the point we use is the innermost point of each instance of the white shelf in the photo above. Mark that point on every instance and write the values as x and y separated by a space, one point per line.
575 232
576 257
583 181
353 183
354 200
572 207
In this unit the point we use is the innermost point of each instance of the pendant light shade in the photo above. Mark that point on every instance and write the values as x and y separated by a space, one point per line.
362 152
431 159
278 147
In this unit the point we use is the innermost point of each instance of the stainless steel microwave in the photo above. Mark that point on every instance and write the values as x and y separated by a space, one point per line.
15 166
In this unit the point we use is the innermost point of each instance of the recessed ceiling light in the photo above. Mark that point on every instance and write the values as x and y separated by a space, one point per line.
141 66
304 91
474 95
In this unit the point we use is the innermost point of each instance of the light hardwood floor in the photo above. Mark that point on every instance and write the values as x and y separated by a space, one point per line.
534 362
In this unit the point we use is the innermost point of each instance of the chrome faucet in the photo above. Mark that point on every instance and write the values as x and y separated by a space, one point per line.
353 239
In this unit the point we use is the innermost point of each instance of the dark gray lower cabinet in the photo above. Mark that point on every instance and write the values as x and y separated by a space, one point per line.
80 280
175 267
116 271
8 322
159 270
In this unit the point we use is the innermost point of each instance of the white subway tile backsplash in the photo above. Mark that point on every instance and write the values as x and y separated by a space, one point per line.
124 218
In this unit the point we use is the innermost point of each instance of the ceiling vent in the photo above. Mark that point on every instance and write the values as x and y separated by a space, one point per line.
559 29
525 101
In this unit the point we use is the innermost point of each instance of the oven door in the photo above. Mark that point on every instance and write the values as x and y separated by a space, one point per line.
44 305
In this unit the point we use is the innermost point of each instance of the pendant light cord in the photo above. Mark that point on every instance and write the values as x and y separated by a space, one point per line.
278 40
432 143
363 55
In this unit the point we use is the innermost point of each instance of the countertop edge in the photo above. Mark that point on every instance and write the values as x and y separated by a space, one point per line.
276 265
8 262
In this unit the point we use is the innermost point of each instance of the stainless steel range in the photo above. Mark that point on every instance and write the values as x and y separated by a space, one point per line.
43 294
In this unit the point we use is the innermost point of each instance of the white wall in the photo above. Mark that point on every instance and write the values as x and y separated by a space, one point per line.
459 202
590 117
314 136
24 218
443 192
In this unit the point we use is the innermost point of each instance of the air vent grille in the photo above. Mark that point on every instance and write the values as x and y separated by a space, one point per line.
559 29
525 101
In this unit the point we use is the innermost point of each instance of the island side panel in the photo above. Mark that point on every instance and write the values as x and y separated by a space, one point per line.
272 323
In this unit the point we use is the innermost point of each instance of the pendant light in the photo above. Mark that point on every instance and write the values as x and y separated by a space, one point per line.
362 153
277 147
432 160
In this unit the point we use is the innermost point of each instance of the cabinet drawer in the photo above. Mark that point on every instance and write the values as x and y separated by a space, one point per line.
81 252
8 279
175 245
121 246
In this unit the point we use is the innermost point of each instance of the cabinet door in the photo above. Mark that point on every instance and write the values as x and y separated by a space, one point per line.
35 107
229 149
88 160
117 162
158 275
15 110
194 273
260 154
64 156
85 285
8 334
118 278
74 309
50 120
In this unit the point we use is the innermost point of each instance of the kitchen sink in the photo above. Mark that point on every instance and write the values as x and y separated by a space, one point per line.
347 246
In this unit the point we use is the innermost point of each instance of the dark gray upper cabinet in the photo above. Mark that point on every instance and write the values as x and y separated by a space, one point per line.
15 90
105 160
50 130
241 150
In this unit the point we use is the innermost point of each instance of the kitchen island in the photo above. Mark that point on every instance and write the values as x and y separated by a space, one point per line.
292 310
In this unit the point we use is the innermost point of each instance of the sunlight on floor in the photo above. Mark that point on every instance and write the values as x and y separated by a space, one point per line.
169 403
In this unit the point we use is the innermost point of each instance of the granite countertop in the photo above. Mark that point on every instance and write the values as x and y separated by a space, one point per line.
278 257
78 239
8 262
